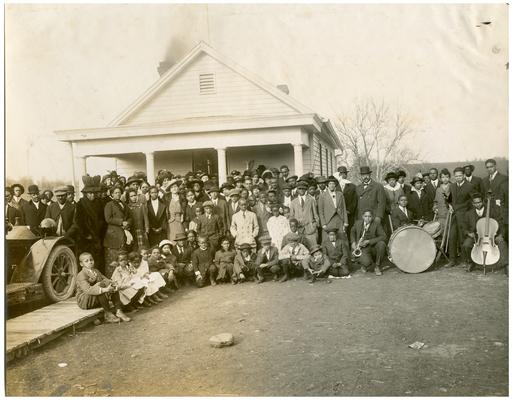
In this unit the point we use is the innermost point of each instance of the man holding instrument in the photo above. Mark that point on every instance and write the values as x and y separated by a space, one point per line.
369 238
472 216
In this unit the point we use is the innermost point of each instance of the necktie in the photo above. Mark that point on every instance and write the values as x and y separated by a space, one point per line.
301 201
243 214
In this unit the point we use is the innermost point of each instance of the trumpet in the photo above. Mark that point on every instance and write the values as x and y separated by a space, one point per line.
357 251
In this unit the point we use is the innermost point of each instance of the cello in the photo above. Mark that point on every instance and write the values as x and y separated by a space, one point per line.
485 251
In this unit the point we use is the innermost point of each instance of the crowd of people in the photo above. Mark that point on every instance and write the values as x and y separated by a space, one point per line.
138 242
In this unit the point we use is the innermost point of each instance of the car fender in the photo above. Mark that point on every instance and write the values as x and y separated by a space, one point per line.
33 263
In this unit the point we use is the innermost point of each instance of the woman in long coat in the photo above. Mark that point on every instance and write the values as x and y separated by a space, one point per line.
442 197
140 220
117 216
174 211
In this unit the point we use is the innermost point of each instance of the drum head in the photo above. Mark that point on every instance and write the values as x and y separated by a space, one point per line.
412 249
433 228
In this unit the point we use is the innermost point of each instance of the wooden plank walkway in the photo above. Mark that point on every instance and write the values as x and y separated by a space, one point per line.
41 326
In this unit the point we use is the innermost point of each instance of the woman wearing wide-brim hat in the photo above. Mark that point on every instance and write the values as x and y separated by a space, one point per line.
174 210
393 192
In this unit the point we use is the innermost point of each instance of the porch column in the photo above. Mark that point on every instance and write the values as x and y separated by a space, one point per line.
221 164
82 170
150 167
297 158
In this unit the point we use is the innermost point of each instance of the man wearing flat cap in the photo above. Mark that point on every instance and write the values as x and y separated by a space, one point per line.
34 210
244 225
474 180
316 265
63 213
291 256
267 259
210 226
371 196
303 209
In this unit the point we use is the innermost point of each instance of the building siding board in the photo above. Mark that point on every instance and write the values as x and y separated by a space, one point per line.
234 95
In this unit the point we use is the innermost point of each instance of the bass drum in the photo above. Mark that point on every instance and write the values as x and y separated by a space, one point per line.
412 249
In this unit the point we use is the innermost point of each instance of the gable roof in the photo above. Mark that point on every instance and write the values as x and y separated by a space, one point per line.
202 47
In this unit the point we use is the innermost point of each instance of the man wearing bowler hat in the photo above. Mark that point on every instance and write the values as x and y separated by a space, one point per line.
371 196
34 210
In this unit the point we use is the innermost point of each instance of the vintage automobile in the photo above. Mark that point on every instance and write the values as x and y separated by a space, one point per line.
39 259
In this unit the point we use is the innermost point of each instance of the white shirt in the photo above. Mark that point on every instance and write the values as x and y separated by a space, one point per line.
434 183
468 178
154 203
333 197
36 204
413 189
480 212
404 210
214 201
302 199
493 175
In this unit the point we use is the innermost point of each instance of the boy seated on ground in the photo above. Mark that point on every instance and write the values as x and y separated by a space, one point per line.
224 259
316 265
267 259
291 256
94 290
202 261
170 263
336 251
244 266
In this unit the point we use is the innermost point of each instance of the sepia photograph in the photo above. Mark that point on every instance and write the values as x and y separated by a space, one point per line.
239 200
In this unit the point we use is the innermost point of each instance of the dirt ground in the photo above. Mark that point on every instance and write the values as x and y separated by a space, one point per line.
349 337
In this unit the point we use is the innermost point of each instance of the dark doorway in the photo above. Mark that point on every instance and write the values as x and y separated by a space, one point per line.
205 161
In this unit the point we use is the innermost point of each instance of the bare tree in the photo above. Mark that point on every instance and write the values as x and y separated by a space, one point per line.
373 135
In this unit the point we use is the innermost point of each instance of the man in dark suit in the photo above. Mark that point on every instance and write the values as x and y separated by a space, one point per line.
479 210
63 213
401 175
12 209
210 226
419 201
432 184
183 253
34 210
460 192
371 196
332 211
370 237
337 251
262 213
474 180
349 194
220 208
157 217
497 183
402 215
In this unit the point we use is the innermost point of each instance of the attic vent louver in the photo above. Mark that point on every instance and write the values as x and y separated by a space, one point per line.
206 84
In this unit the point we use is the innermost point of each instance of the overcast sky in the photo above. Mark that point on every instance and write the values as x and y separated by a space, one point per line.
78 66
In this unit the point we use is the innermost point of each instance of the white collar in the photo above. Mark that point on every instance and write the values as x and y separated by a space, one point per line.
61 205
413 189
393 189
493 175
435 183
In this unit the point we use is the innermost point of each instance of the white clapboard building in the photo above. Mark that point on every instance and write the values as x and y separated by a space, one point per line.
208 113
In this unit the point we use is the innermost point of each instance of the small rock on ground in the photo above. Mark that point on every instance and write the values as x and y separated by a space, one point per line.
222 340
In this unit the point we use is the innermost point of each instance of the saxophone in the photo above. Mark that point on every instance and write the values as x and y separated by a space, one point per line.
357 251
